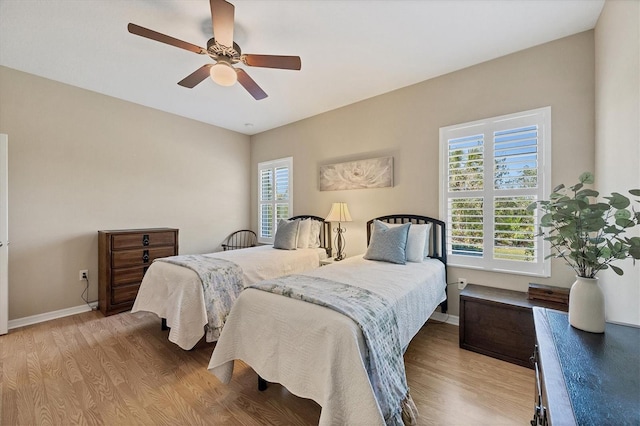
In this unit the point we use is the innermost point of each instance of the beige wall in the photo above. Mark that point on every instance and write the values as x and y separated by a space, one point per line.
405 124
80 162
617 52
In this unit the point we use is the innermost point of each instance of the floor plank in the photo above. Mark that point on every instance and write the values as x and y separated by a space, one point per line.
88 369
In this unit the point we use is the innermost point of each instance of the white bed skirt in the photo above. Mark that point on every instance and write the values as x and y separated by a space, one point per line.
175 293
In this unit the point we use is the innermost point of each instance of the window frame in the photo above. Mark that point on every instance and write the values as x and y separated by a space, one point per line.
542 118
272 165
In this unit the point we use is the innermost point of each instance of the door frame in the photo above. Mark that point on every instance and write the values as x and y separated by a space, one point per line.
4 233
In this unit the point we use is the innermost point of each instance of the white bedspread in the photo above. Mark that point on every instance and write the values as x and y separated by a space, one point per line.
318 353
175 292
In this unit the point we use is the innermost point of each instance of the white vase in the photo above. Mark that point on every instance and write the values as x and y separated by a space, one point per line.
586 305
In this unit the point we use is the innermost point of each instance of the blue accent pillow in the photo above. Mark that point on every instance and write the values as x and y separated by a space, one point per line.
286 235
388 244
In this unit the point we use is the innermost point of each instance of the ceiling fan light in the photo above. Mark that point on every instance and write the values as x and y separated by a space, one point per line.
223 74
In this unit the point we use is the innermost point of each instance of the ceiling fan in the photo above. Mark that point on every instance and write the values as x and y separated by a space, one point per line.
224 51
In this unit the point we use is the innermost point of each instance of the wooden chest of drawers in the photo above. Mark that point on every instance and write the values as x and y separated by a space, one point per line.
123 258
585 378
499 323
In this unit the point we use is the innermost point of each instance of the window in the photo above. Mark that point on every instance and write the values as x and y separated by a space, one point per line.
491 170
275 200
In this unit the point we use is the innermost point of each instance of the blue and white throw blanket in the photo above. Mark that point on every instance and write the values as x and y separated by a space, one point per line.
378 322
222 282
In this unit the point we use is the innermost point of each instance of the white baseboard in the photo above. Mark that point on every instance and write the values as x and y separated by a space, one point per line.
449 319
48 316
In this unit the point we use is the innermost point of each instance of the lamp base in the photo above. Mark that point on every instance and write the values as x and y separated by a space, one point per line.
340 244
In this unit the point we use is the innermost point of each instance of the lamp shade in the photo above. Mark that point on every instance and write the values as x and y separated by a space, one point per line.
339 213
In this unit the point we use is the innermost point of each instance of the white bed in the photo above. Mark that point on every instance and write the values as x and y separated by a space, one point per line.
175 293
318 353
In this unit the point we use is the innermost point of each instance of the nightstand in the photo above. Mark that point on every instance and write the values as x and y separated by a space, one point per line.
332 260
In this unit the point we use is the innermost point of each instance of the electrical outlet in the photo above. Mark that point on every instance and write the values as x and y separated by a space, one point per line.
83 275
462 283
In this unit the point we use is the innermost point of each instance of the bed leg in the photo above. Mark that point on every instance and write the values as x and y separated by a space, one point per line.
262 384
164 324
444 306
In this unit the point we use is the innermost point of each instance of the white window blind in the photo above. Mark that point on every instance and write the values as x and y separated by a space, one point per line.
275 201
491 170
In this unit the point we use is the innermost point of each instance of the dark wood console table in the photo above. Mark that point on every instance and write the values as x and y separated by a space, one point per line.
585 378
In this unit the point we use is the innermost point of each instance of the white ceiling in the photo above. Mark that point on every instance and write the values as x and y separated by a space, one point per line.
351 49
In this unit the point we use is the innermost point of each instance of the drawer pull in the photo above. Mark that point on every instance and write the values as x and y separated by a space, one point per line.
145 256
144 270
540 411
145 240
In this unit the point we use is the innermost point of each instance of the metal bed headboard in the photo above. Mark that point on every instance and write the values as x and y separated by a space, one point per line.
437 248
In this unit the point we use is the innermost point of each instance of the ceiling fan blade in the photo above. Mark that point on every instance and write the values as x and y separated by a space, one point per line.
195 78
222 15
273 61
251 86
154 35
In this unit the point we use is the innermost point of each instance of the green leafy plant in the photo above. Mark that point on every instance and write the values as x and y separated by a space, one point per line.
589 234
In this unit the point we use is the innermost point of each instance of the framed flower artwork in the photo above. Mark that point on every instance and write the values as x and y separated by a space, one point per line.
360 174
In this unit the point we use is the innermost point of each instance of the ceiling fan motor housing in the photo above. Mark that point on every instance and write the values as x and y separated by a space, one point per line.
216 50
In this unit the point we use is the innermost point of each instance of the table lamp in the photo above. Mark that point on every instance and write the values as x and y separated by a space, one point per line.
339 213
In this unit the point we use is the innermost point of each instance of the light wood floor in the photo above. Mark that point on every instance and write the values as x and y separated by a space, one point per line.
122 370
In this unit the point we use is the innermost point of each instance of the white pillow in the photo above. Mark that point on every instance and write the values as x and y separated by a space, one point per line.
426 244
304 231
417 241
314 233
